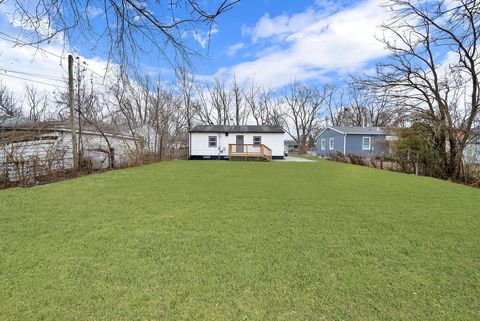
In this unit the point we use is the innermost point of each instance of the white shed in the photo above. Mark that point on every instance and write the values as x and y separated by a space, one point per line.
227 142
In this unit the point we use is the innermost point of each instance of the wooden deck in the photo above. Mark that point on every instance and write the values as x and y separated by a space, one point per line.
249 151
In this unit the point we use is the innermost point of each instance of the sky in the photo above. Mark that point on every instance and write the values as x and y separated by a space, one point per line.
268 42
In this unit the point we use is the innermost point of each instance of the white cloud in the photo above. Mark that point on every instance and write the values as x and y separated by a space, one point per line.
44 70
93 11
203 37
201 40
233 49
312 44
282 25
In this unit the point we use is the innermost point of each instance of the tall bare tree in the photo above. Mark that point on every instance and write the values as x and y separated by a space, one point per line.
442 91
264 106
241 113
8 103
303 105
186 84
36 104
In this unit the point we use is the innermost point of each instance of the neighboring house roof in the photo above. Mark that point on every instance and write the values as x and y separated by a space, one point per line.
14 121
356 130
291 143
23 124
236 129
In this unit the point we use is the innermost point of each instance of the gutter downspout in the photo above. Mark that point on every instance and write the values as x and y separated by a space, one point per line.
219 135
345 144
189 144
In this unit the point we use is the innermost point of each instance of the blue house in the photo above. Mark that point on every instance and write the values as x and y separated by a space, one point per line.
359 141
471 153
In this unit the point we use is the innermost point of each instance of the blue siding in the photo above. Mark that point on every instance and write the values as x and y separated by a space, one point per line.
338 143
354 144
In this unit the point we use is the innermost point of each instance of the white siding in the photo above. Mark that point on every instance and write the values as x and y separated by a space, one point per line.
199 143
54 152
124 149
471 153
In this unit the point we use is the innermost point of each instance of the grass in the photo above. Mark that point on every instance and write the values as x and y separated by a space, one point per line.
215 240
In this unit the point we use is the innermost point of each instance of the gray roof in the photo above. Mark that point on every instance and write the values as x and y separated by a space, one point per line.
22 123
359 130
14 121
236 129
291 142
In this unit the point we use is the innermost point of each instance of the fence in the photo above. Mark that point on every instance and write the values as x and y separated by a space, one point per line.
32 170
29 171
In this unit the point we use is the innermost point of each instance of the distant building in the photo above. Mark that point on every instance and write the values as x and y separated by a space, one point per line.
471 153
291 145
360 141
227 142
36 148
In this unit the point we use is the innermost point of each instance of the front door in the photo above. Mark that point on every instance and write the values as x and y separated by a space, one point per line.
239 143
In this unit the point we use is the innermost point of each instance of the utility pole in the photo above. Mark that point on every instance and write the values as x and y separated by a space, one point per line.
80 146
72 113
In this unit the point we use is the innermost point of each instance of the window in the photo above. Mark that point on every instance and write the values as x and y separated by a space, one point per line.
322 144
257 140
332 143
212 141
366 143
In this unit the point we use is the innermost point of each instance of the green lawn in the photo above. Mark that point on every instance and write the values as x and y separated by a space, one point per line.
215 240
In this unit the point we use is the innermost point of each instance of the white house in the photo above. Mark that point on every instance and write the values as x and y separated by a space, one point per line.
228 142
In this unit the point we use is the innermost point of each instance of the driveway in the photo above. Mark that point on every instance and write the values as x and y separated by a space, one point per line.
295 160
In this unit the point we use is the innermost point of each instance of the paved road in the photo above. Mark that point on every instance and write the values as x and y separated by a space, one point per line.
295 159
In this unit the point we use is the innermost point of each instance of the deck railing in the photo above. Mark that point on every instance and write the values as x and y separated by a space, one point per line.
249 151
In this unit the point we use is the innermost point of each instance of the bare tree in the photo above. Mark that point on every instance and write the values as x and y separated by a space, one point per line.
203 108
186 84
214 104
36 104
241 113
335 104
94 111
304 106
221 101
124 26
441 91
358 104
167 118
264 107
8 103
253 103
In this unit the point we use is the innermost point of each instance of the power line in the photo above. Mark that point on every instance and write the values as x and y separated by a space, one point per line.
54 78
17 41
22 42
31 80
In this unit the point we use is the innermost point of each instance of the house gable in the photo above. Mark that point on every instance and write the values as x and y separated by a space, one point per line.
350 140
326 135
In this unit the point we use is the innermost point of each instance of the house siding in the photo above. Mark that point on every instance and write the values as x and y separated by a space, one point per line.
338 143
54 152
472 151
354 145
199 144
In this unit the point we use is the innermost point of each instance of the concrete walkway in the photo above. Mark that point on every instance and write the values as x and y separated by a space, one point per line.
295 160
